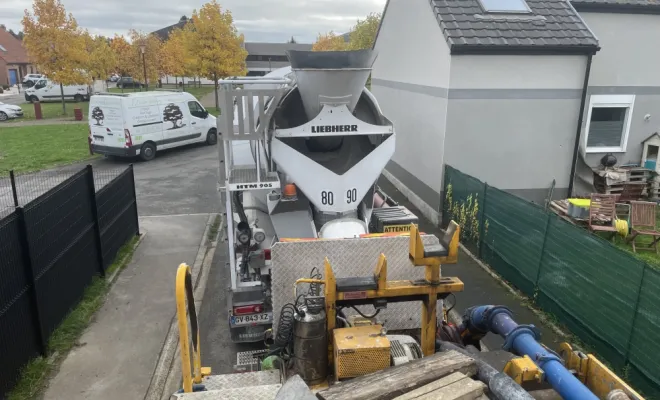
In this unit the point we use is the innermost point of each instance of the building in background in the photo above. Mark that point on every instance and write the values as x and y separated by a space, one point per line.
14 62
265 57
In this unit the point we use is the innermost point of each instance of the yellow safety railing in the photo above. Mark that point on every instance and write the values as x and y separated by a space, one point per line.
185 308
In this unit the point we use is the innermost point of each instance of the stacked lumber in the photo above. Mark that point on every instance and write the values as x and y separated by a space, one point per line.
444 376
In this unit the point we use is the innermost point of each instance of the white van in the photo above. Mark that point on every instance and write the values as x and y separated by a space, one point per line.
47 90
139 124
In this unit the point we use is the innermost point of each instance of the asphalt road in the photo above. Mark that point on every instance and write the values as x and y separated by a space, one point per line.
15 99
178 181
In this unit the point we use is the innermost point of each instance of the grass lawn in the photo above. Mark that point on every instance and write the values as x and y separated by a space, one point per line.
53 110
198 92
31 148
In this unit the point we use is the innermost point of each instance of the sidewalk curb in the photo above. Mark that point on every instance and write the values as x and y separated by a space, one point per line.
112 278
515 293
164 375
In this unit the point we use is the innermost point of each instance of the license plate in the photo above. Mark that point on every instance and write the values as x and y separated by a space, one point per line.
250 319
98 138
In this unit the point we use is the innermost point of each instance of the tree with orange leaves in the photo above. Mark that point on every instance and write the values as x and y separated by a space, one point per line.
216 43
56 44
329 42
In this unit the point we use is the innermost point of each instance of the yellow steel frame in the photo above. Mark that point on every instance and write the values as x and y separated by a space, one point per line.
523 369
185 306
594 374
429 289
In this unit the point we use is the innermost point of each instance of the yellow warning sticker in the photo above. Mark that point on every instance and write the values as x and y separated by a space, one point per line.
396 228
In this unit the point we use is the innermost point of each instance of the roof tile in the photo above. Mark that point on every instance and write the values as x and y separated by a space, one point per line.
552 24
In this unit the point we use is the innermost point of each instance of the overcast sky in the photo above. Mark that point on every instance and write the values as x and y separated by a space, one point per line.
259 20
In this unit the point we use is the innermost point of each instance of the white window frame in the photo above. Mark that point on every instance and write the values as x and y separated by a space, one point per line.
619 101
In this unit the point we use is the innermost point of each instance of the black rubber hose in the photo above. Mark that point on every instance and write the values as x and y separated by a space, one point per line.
499 383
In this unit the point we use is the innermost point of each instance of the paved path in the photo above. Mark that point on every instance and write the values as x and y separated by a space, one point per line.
116 356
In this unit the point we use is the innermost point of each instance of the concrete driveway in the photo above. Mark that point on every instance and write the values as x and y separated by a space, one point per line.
178 181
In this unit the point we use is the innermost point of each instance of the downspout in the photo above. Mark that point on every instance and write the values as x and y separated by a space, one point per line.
578 133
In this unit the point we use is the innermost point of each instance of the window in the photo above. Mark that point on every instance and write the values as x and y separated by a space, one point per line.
505 6
608 123
196 110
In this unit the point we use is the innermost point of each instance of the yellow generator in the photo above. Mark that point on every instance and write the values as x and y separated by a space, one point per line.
360 350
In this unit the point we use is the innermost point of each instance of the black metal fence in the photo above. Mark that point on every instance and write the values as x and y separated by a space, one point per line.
53 241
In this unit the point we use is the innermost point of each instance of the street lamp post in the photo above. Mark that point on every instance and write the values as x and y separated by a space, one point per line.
143 48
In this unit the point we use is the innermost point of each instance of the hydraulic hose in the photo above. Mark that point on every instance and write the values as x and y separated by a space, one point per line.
523 340
499 383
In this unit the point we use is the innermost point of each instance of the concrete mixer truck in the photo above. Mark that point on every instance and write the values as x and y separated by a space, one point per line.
300 157
337 278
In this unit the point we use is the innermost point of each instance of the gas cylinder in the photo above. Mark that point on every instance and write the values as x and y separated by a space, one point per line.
310 340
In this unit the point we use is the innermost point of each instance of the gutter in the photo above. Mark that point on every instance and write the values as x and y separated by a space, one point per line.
578 130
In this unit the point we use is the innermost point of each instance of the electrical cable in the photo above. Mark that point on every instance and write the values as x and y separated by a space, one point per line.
284 330
453 305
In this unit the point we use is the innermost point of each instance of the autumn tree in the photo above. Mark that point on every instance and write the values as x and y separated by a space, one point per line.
125 61
149 62
174 54
329 42
216 43
363 34
102 60
56 44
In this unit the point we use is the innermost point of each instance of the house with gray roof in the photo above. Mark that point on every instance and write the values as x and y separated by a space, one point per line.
508 90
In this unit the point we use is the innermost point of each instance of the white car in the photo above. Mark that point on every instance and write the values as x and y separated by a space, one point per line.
33 77
8 111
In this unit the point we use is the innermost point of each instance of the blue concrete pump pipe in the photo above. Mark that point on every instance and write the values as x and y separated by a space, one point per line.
523 340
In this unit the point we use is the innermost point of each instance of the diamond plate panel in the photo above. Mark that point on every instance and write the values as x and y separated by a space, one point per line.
241 380
249 357
265 392
348 257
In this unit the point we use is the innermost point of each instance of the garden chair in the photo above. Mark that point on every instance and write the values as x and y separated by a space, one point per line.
602 213
631 191
643 223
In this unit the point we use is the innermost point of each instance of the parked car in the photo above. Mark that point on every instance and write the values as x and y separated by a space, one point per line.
33 77
138 124
113 78
47 90
9 111
127 82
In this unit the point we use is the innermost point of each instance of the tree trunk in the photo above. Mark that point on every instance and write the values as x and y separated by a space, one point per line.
63 103
215 84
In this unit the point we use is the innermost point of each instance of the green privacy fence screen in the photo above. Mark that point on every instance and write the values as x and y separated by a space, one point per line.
604 295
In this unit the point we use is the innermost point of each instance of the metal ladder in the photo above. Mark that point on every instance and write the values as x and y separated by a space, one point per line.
245 124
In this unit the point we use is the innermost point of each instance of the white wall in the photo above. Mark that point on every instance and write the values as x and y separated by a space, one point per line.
411 47
629 53
628 64
517 72
512 120
411 69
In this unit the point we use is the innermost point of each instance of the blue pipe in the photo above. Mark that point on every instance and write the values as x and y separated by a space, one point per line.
523 340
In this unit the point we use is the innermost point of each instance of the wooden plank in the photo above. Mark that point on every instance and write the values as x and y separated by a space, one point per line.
465 389
392 382
435 385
